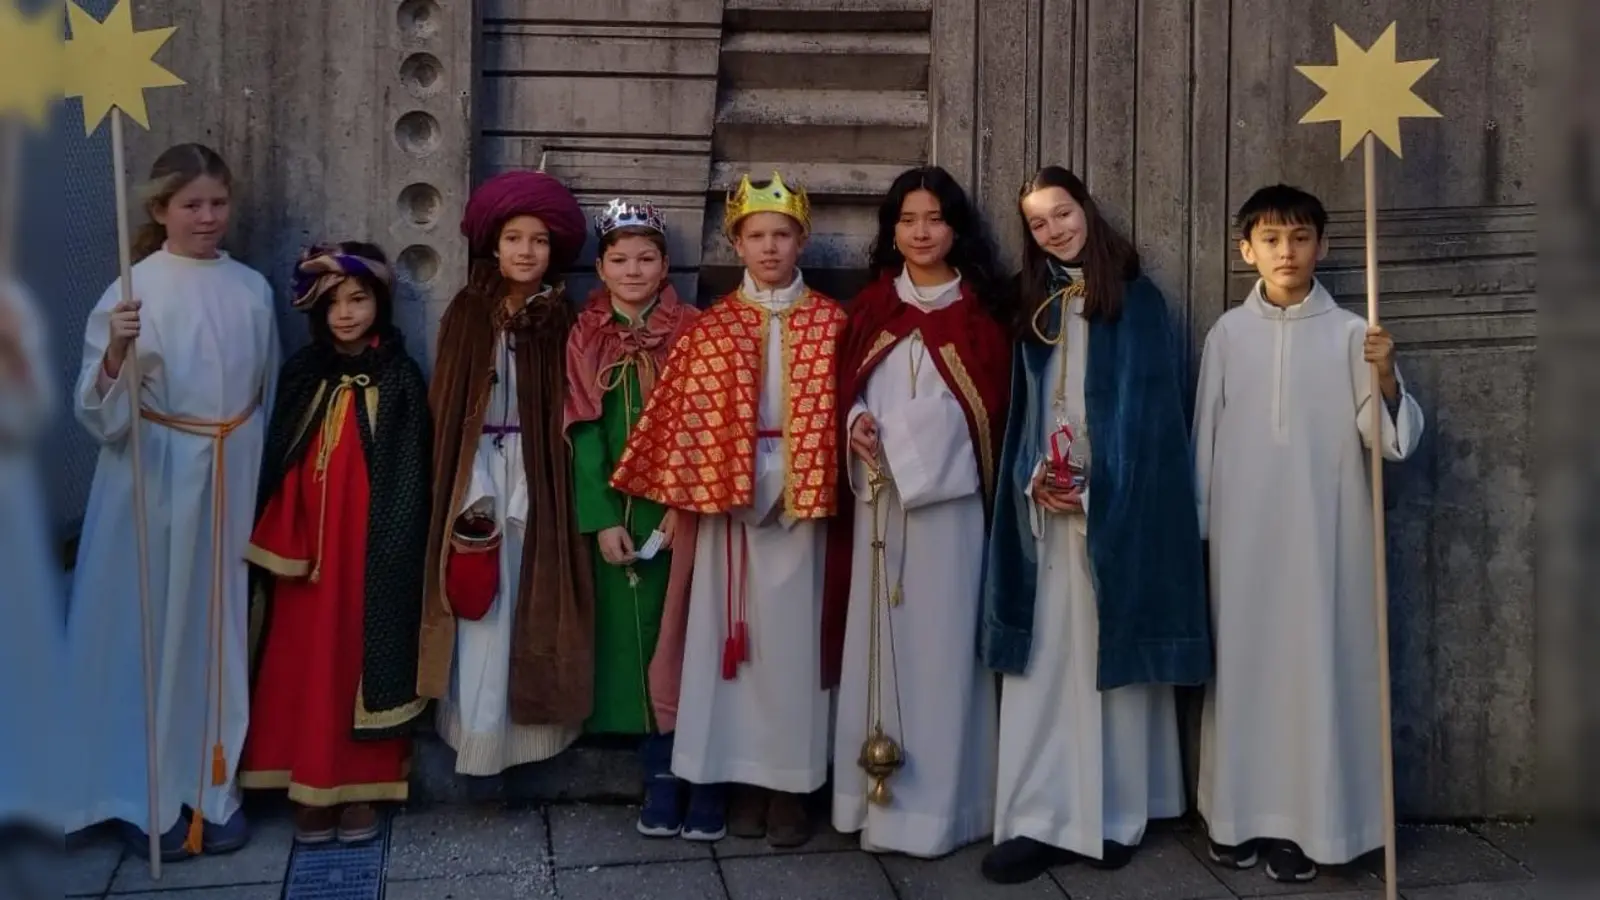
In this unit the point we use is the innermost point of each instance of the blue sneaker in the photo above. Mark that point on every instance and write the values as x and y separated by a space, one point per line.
662 813
707 819
135 839
227 837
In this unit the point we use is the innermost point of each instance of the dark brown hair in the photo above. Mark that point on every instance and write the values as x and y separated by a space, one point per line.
174 170
972 254
611 237
1109 260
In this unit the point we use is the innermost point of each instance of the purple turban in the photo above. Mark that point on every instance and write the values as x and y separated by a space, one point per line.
506 196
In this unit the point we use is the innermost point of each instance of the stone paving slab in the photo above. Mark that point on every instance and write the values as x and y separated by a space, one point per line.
249 892
523 886
698 880
456 842
261 862
1432 855
586 835
1162 869
957 877
91 863
1524 842
850 875
1498 890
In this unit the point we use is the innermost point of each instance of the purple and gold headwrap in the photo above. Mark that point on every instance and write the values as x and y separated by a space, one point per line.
322 267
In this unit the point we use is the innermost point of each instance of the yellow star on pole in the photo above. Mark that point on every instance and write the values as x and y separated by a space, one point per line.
109 64
1369 91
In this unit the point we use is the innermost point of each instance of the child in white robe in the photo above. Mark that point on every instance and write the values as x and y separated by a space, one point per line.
1289 760
207 354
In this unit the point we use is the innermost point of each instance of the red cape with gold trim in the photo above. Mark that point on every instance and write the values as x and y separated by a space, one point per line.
972 353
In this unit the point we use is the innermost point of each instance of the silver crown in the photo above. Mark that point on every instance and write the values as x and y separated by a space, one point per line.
621 213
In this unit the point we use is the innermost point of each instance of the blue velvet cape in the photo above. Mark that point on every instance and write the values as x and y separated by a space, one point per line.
1143 527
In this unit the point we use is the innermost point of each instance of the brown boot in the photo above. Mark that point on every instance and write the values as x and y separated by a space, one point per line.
358 822
788 820
314 824
747 811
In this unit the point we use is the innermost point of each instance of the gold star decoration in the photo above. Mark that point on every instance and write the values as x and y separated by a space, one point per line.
30 62
109 64
1368 91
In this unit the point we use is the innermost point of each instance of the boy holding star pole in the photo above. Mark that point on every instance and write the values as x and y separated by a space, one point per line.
1296 762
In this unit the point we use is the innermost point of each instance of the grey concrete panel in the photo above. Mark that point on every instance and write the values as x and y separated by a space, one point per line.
525 886
467 841
854 875
1440 855
585 835
659 881
681 12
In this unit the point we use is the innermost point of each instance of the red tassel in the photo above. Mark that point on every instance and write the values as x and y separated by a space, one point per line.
730 661
741 642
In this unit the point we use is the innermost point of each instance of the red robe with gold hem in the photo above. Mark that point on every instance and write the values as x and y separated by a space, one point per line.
972 353
332 697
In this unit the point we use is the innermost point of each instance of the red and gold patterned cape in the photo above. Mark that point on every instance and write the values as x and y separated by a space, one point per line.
694 446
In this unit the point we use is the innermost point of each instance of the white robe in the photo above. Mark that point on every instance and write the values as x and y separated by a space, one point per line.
1077 766
208 350
475 720
32 648
1289 736
769 726
943 798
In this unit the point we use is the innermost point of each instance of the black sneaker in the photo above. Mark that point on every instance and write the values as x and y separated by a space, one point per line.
1023 859
1286 863
1112 856
1242 856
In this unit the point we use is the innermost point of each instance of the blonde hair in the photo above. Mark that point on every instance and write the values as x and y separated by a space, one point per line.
173 170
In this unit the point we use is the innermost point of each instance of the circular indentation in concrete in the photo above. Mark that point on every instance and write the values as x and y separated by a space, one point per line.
417 133
419 262
420 203
419 19
422 74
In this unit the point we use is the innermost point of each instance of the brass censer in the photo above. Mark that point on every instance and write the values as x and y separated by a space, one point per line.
881 755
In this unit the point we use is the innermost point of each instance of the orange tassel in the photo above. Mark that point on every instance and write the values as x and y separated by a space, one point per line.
219 766
193 842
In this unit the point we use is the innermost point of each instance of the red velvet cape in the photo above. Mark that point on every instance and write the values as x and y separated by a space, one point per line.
972 353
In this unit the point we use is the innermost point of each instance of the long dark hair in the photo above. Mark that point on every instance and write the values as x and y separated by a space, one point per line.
175 169
972 254
1109 260
382 321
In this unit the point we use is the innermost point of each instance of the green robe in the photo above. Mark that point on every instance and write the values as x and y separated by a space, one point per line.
627 609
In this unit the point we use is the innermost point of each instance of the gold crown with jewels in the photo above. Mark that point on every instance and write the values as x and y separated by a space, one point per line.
774 196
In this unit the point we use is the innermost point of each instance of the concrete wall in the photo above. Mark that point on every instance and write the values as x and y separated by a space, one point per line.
1174 110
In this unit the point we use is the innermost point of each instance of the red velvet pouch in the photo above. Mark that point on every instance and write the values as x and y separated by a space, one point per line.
472 568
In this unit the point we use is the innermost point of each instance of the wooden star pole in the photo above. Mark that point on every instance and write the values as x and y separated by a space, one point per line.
109 65
1368 93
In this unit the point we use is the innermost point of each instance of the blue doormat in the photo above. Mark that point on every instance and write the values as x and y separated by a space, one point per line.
338 872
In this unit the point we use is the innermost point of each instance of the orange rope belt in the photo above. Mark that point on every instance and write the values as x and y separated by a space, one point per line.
218 432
